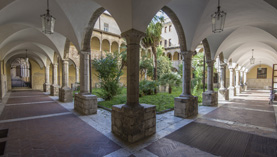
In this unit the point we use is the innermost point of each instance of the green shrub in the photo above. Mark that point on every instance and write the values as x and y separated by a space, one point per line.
147 87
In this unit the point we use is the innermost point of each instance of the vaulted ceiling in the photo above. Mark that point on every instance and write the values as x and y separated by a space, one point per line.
250 24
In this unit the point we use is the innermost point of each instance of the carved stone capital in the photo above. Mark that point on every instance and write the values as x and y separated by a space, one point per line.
210 63
186 55
133 36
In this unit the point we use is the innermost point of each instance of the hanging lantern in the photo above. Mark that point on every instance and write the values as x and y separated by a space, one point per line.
48 21
252 60
218 20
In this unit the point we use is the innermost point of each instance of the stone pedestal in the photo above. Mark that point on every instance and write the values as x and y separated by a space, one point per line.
46 87
223 94
210 98
65 94
54 90
133 124
185 106
85 104
232 92
238 89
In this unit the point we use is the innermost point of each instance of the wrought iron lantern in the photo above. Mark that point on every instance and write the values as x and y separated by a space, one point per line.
218 20
48 21
252 59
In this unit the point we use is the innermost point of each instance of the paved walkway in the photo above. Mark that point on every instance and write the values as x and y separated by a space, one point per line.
34 124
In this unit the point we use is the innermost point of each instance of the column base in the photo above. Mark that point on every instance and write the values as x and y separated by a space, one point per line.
186 106
46 87
85 104
223 94
238 89
65 94
210 98
245 87
232 92
54 90
133 124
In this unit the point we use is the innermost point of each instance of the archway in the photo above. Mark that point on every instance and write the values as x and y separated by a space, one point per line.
21 73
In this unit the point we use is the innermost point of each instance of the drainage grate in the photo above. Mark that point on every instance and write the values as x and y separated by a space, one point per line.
4 133
2 147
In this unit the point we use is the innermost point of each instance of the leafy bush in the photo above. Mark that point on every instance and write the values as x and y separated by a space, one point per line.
164 66
171 79
147 87
108 72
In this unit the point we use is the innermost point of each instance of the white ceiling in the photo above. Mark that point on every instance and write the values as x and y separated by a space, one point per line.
250 24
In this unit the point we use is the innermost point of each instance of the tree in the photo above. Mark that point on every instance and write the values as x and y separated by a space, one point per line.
146 66
170 79
153 37
164 66
108 72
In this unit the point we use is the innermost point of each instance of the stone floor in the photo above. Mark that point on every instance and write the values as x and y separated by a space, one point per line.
39 125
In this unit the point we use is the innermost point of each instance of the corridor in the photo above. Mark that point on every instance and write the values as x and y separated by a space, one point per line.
34 124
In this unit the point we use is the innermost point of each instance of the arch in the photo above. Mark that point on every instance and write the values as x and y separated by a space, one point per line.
178 26
114 47
169 56
207 49
89 29
176 56
66 49
105 46
95 44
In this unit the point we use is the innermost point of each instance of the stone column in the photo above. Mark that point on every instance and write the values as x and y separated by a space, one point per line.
65 93
223 92
133 121
186 105
241 80
54 88
210 97
46 85
77 77
232 90
245 80
85 102
238 89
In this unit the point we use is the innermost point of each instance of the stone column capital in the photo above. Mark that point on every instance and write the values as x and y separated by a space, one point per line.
210 63
186 55
133 36
223 65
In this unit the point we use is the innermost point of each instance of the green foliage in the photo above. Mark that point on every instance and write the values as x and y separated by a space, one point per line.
164 66
146 66
147 87
160 51
108 72
171 79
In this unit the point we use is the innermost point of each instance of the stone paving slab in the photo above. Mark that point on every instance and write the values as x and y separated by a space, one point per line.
26 93
56 136
38 98
30 110
258 118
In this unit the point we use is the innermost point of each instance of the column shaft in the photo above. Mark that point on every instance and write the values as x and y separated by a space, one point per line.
77 75
187 56
210 77
231 78
222 76
84 76
55 74
241 77
237 78
47 68
245 78
65 73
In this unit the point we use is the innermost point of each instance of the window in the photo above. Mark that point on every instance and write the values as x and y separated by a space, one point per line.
261 73
165 43
106 27
169 29
169 42
165 29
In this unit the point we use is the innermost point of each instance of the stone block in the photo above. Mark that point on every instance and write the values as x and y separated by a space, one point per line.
238 89
54 90
223 94
65 94
85 104
185 106
232 92
133 124
210 98
46 87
